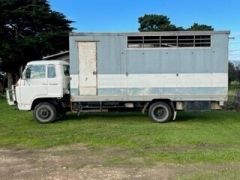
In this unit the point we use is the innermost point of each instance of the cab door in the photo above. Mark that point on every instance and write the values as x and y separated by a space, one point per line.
54 81
33 85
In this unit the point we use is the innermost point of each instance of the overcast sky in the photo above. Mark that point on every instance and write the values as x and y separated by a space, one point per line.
122 15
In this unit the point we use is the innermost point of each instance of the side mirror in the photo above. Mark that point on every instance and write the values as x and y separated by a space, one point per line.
28 73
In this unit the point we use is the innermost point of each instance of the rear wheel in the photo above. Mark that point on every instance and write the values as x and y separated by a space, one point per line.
45 112
160 112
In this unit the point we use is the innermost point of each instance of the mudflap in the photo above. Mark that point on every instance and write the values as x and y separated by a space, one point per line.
174 115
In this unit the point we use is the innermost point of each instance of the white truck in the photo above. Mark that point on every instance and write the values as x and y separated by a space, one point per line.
155 72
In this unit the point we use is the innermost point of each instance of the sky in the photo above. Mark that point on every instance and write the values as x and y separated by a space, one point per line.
122 15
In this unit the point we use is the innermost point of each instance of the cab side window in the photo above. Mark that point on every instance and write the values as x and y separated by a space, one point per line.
51 71
36 72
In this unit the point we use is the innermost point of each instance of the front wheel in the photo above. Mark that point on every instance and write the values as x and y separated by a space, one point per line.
160 112
45 112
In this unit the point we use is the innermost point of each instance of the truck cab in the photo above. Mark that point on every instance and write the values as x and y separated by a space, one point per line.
44 88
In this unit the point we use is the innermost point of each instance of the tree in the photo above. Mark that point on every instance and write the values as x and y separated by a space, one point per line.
200 27
153 22
29 29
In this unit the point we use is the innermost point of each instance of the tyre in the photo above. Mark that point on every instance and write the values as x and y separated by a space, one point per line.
45 112
160 112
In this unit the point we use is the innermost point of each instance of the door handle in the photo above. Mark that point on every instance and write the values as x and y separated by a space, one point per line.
94 72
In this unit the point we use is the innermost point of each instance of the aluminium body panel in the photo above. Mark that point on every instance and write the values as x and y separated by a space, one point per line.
129 74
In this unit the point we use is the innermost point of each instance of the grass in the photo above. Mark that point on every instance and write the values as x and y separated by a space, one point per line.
203 137
203 145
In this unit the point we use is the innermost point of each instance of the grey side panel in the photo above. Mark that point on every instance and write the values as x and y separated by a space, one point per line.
220 53
169 61
111 55
180 60
74 64
115 58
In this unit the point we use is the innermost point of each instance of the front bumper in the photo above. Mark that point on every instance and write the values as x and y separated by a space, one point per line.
11 96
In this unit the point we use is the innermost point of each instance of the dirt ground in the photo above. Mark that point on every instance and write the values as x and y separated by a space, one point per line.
81 162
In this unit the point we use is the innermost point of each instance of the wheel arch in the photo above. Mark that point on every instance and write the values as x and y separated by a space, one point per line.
40 100
168 101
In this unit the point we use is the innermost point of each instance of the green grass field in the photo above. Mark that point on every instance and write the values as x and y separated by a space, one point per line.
203 145
194 137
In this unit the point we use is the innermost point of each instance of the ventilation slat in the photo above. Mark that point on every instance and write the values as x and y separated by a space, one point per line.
169 41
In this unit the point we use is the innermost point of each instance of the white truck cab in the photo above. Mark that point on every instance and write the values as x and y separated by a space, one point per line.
43 84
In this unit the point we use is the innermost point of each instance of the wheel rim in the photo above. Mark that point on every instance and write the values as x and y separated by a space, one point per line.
160 113
44 113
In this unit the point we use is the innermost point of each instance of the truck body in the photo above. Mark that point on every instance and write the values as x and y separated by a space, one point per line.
155 72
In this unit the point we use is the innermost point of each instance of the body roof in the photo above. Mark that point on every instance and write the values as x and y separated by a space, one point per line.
162 33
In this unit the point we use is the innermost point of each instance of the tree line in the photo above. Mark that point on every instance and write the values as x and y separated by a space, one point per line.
155 22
